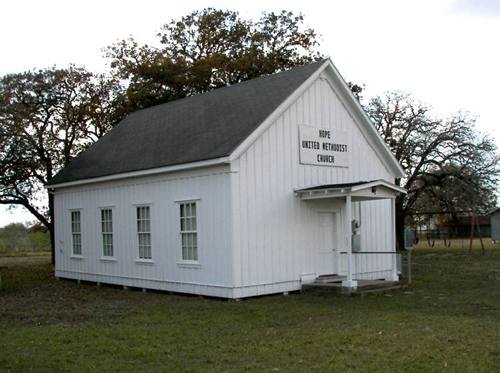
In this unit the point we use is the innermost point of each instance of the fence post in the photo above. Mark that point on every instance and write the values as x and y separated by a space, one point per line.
409 249
409 264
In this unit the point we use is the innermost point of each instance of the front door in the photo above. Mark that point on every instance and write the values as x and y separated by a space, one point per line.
328 243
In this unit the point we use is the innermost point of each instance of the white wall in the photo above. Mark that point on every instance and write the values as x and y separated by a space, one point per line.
211 186
255 235
275 234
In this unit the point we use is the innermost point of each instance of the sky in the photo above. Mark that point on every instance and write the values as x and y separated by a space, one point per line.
444 52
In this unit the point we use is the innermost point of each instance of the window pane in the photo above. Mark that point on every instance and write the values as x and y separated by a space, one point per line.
75 221
144 243
77 244
107 239
76 230
147 252
188 224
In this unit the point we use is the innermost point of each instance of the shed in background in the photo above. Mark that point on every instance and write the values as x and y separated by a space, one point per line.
495 224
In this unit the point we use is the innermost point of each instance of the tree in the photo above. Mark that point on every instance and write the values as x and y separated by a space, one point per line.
13 237
456 189
46 118
208 49
447 163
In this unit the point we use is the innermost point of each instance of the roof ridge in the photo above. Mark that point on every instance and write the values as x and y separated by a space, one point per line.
243 82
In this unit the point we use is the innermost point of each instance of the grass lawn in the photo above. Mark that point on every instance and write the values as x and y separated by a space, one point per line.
9 254
449 320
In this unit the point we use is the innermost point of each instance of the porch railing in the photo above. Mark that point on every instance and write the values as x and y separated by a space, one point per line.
373 264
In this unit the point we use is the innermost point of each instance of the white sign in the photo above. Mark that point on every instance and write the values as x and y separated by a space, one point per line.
324 147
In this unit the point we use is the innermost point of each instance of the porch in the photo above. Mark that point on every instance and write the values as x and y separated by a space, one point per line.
358 267
364 287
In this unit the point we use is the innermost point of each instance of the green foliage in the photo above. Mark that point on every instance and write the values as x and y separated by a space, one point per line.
17 237
449 320
46 118
209 49
13 237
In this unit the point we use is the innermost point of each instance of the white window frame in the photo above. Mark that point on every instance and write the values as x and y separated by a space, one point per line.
143 259
76 233
105 257
192 261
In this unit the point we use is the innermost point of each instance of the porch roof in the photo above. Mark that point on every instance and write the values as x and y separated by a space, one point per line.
359 191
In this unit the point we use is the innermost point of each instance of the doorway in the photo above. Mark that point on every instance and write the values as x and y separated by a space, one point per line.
328 242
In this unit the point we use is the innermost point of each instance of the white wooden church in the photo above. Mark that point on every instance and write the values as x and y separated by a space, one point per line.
251 189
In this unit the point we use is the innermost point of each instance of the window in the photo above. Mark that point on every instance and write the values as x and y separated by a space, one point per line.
189 235
107 232
76 232
144 232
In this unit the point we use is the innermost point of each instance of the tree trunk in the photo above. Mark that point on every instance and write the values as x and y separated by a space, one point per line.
400 224
456 224
51 228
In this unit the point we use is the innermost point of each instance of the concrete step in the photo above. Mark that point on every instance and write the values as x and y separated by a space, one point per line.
382 290
325 279
364 287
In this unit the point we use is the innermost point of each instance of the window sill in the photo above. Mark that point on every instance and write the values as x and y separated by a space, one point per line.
107 259
78 257
144 261
188 264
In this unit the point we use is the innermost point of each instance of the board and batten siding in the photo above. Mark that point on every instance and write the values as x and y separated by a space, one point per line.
274 233
209 187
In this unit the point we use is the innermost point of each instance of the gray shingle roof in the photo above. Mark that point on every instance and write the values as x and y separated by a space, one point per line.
196 128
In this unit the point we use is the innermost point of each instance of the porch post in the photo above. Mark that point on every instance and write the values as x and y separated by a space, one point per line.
394 264
349 282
